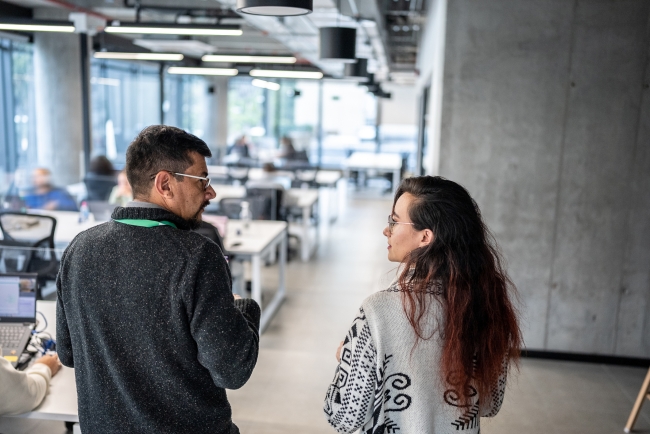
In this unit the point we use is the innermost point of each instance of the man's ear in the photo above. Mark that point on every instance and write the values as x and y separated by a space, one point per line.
162 184
426 238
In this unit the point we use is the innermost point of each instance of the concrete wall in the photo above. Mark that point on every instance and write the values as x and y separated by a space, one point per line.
402 107
546 121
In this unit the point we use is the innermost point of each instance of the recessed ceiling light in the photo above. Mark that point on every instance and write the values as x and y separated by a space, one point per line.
247 59
274 73
27 25
138 56
172 29
202 71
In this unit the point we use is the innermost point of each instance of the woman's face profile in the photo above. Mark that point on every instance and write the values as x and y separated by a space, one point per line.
403 238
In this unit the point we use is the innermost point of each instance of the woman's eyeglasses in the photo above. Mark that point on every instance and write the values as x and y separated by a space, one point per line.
206 181
392 223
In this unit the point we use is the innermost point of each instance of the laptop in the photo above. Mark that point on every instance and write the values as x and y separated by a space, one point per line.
101 210
17 313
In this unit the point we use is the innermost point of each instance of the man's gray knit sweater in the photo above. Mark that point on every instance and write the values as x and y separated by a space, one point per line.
147 319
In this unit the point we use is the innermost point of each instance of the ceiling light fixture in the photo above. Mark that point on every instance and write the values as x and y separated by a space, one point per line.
278 8
26 25
358 70
265 84
274 73
172 29
138 56
338 44
202 71
247 59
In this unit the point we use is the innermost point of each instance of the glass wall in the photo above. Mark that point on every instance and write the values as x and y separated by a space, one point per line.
348 114
125 99
187 103
17 107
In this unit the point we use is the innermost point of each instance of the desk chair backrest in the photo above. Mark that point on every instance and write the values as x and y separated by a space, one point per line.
270 199
27 245
99 187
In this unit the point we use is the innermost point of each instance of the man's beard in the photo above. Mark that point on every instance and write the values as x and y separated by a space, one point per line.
195 221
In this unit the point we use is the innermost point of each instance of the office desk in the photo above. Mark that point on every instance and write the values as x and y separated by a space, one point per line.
255 242
303 198
60 403
365 161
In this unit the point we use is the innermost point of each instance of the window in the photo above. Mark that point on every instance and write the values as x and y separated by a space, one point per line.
17 107
125 99
187 104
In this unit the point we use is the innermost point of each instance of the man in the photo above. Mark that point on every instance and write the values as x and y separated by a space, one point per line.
46 196
145 311
21 392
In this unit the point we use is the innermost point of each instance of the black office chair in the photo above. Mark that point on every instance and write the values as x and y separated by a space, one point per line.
27 245
268 203
99 187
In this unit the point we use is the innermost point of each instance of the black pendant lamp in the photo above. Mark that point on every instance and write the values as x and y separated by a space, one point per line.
338 44
278 8
358 70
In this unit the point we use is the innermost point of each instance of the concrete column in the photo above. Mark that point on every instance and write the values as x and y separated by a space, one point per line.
217 122
57 85
545 121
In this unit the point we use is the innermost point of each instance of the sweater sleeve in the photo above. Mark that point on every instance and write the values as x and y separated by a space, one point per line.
492 404
63 342
226 336
350 398
22 391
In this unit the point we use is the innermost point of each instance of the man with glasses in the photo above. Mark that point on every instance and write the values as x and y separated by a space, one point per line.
145 311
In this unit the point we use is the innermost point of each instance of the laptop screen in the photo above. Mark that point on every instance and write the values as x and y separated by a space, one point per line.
17 298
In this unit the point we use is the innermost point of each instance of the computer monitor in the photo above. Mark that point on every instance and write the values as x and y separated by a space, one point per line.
18 298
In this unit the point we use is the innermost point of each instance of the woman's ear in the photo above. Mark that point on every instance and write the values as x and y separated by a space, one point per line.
426 238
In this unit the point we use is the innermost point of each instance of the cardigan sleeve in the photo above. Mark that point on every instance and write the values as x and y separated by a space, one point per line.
492 404
350 398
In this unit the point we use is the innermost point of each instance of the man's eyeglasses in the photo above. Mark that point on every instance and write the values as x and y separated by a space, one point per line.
392 223
206 181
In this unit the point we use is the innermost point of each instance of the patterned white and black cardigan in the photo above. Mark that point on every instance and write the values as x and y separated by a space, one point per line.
387 384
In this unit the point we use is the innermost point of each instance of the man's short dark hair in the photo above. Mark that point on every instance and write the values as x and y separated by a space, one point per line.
156 148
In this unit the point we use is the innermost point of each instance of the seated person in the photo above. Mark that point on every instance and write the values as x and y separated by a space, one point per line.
122 193
241 148
100 179
287 150
21 392
46 196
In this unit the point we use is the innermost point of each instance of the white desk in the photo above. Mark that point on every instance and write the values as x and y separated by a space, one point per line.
60 403
300 197
365 161
254 243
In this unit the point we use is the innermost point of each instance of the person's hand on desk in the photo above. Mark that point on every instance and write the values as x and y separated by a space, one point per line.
51 361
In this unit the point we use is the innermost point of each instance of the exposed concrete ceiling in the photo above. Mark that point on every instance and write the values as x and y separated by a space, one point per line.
387 31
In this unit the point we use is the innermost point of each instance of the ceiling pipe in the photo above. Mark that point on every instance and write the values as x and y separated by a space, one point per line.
75 8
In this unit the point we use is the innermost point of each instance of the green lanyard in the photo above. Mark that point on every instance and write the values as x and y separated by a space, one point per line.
145 223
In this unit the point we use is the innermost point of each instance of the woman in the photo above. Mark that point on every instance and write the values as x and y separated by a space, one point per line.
121 193
100 179
430 353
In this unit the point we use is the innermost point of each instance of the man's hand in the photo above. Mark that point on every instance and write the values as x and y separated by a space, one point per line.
237 297
51 361
338 352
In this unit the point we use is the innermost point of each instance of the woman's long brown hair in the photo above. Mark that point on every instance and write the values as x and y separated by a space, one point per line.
480 329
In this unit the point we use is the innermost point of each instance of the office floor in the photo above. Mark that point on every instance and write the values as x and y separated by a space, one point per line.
296 361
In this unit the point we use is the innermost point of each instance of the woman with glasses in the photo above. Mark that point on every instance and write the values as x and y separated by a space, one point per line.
430 353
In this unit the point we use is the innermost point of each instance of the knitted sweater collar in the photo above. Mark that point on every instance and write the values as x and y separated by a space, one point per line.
157 214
